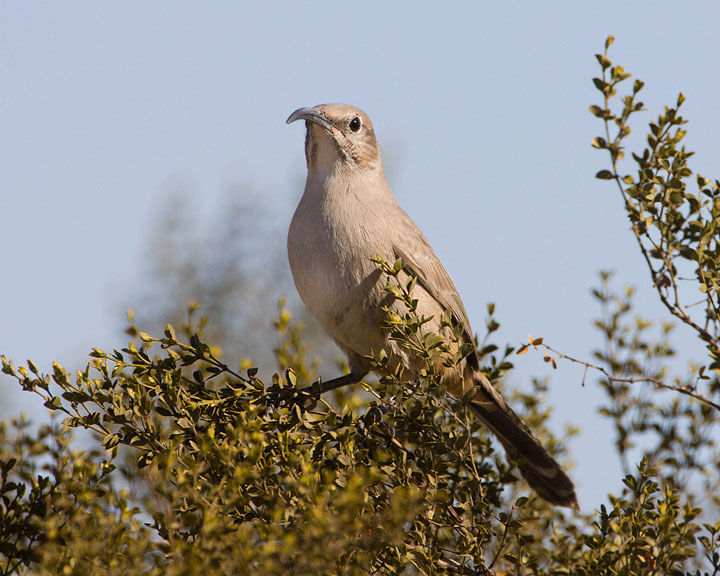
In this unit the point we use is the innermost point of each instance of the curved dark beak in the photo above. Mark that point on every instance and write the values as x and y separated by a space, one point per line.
310 115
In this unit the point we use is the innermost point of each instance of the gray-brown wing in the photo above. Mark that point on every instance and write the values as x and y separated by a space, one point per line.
417 254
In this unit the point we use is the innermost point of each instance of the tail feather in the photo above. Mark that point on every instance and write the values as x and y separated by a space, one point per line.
538 467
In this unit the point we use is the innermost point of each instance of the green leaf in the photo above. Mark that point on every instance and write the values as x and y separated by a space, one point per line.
605 175
76 397
604 61
110 441
163 411
54 403
433 341
520 502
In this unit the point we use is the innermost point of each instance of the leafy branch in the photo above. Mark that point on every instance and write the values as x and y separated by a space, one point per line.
674 228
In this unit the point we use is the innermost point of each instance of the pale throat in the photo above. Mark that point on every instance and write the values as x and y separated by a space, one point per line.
323 156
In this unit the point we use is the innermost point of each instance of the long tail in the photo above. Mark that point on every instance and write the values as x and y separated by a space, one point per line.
540 470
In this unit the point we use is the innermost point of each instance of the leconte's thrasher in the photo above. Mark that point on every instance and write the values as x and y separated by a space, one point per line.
346 218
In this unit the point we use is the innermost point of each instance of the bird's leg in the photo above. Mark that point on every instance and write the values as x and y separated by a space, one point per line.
315 390
318 388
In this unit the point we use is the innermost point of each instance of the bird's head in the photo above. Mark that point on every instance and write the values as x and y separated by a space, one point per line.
338 136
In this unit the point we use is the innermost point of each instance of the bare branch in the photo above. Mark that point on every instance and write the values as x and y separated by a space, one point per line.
686 390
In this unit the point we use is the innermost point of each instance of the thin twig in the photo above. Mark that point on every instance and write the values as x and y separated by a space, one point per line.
612 378
458 568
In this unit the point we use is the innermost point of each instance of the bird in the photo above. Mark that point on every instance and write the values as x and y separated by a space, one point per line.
347 217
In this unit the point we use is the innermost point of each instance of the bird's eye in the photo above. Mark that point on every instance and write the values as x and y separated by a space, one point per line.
355 124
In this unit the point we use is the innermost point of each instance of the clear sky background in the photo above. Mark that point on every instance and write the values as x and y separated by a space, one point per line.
481 110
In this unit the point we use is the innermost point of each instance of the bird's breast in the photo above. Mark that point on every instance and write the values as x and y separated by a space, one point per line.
331 245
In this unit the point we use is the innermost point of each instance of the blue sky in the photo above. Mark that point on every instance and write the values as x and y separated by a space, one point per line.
481 110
